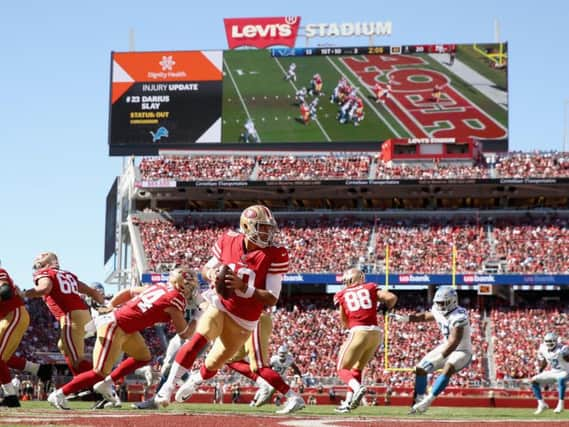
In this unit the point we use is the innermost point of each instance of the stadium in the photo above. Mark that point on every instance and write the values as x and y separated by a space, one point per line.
401 169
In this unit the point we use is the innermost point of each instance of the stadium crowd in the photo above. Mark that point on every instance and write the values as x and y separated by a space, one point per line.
528 245
348 166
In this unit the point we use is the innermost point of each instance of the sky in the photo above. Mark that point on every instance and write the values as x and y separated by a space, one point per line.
55 170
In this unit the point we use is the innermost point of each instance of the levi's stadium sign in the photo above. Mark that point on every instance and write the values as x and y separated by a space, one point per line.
261 32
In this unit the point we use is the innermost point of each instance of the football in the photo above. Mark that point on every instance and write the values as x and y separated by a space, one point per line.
220 287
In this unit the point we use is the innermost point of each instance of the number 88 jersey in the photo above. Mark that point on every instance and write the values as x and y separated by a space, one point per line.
359 303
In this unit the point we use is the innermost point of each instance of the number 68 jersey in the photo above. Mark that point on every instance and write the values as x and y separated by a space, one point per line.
64 296
359 303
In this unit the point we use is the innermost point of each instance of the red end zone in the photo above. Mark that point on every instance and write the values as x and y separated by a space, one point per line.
162 419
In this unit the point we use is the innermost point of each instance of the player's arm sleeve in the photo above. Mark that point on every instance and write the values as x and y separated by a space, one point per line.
273 284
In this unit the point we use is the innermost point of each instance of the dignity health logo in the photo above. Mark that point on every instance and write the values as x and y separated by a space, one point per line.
167 65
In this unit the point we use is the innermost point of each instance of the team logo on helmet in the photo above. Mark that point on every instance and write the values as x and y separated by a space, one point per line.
446 299
258 225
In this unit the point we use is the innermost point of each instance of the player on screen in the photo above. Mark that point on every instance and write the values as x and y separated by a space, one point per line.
452 355
551 352
62 292
382 92
254 280
304 113
300 96
357 305
250 134
291 73
437 93
313 107
315 85
119 331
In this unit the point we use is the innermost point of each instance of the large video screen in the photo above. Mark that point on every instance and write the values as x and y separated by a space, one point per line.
328 97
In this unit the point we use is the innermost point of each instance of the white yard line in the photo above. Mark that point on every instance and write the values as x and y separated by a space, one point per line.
296 90
241 98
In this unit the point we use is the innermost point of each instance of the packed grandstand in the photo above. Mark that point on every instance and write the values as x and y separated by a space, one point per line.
507 327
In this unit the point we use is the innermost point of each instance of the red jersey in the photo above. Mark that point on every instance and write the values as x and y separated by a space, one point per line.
14 302
359 303
64 296
252 267
149 308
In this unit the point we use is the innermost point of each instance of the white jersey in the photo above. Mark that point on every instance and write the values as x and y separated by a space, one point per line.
555 357
281 366
456 318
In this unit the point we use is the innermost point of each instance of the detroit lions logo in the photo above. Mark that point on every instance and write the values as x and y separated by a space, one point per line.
161 132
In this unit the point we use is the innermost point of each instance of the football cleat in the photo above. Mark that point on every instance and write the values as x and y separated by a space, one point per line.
541 406
189 387
100 404
342 409
560 407
357 397
422 405
57 399
107 390
164 396
110 405
293 404
145 404
263 395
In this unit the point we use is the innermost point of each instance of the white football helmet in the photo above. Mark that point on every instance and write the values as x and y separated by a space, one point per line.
283 352
44 260
446 299
185 280
550 340
258 225
353 277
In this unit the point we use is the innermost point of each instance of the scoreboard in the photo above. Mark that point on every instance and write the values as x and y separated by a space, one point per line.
363 50
248 99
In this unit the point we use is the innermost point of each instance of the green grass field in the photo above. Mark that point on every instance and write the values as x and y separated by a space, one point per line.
253 86
499 414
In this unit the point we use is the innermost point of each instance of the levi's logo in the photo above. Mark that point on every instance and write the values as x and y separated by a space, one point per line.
261 32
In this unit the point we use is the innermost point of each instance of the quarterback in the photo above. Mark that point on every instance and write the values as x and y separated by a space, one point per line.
556 355
357 305
452 355
253 280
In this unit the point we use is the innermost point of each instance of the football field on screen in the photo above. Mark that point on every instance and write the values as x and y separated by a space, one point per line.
254 88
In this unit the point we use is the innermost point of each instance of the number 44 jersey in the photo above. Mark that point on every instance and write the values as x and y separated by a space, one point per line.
359 303
149 308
